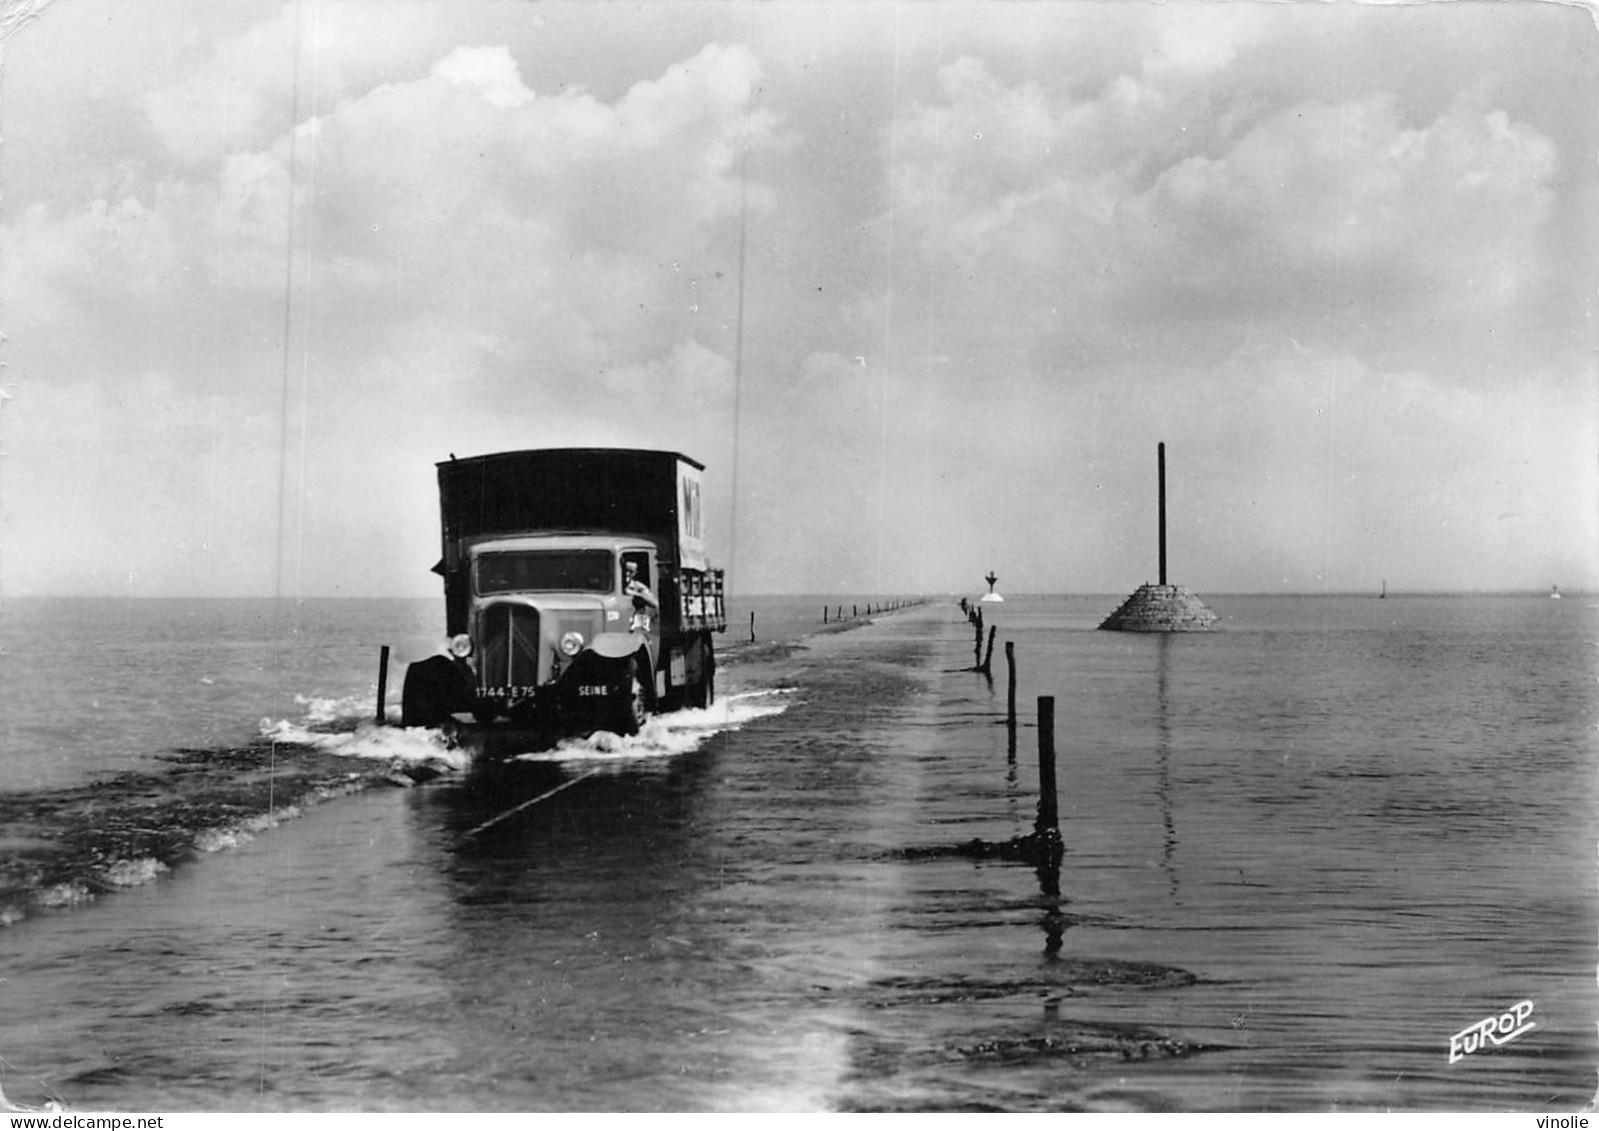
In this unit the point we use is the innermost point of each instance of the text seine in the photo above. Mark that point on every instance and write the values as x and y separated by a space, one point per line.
1500 1030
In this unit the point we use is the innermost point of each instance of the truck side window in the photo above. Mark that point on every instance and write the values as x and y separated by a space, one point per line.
636 585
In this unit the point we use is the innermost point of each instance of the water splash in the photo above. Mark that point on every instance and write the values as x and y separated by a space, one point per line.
345 727
670 735
405 746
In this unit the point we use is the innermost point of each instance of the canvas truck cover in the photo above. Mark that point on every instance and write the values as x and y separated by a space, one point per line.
655 495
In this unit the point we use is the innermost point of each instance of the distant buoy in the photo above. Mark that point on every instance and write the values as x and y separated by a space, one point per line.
991 595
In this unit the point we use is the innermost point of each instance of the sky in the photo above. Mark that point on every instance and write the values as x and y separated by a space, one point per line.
922 284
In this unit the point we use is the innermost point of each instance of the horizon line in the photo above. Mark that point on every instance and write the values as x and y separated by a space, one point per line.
952 595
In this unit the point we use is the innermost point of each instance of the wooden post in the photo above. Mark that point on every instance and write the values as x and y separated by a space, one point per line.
1010 687
1048 812
824 614
383 683
752 627
977 648
988 657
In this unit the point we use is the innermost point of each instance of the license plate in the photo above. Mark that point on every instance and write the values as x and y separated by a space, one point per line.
586 690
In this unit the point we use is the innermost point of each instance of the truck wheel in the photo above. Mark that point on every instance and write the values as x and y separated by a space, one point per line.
428 696
703 693
629 707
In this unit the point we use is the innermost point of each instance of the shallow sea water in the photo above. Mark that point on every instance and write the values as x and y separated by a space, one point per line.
1300 853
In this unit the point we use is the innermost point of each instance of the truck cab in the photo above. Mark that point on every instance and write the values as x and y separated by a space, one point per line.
548 622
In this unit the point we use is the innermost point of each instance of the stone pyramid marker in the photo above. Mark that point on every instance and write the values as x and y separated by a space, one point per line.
1163 607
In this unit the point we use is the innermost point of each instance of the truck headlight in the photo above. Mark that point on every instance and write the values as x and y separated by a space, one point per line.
461 646
571 643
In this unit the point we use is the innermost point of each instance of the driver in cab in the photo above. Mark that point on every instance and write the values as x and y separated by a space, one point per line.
644 602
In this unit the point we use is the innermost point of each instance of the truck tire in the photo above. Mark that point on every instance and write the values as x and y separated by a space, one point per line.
428 698
628 703
703 692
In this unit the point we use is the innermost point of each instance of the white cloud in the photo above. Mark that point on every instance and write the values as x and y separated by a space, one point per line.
1198 39
1316 208
264 80
488 71
458 194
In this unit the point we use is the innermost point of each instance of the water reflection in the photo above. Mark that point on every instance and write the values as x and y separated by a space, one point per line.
587 916
1055 920
1163 759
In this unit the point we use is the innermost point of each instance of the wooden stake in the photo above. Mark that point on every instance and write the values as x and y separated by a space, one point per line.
1048 811
1010 686
383 684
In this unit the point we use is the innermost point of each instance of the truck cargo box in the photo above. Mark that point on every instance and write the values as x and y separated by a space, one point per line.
624 491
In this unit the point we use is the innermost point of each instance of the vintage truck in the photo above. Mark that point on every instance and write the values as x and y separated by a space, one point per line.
540 549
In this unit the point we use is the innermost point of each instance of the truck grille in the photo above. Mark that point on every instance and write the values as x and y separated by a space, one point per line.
510 647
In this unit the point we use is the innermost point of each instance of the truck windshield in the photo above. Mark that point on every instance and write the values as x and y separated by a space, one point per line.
561 571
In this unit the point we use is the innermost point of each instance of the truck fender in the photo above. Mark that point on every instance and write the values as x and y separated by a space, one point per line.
435 688
624 649
615 645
